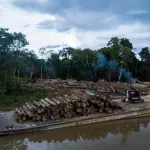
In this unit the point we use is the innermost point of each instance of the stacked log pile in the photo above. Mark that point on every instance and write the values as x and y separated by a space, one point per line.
65 107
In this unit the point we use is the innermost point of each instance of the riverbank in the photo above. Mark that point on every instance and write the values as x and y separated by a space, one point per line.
129 111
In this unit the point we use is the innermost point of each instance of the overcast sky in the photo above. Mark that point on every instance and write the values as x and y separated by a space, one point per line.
77 23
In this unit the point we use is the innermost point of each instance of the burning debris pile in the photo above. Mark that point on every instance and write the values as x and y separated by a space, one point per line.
65 107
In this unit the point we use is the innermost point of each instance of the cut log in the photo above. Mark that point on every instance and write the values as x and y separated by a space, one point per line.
112 89
52 117
34 107
79 110
106 89
61 99
67 100
34 119
102 104
36 104
90 94
42 105
44 118
83 105
19 112
107 110
55 101
50 102
39 111
74 98
111 105
19 120
100 110
66 96
68 115
120 91
45 103
65 109
23 112
107 105
27 111
38 118
103 97
29 107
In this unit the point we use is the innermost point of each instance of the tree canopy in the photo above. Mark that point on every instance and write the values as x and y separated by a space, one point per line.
116 61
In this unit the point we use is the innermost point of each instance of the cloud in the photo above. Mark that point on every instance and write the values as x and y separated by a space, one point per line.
56 46
138 33
137 12
81 23
53 6
25 26
85 15
132 30
81 20
59 25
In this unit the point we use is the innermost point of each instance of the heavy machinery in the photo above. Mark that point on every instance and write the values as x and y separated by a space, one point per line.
133 95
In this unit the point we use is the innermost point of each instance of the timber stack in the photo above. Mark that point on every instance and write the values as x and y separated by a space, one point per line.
65 107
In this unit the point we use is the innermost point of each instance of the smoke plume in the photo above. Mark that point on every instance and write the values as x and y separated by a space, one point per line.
104 63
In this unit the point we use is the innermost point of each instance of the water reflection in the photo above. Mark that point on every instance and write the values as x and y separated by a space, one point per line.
117 134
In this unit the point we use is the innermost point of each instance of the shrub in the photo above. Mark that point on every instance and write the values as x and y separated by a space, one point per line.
13 88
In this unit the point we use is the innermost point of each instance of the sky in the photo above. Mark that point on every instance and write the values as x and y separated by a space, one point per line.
77 23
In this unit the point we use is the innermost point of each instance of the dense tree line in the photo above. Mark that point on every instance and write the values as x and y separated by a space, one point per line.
116 61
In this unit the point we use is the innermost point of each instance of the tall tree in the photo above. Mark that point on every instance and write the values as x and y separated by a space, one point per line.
10 46
144 54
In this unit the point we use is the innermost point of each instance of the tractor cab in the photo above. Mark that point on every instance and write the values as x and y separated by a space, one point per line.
133 95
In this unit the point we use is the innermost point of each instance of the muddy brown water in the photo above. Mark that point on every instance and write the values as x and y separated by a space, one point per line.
116 135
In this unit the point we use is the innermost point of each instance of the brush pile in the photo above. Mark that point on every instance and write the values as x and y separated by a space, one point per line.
65 107
59 87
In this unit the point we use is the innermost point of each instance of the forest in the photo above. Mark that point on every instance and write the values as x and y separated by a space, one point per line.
115 62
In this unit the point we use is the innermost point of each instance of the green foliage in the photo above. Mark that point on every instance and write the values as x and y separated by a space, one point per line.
126 43
13 88
144 53
15 98
21 64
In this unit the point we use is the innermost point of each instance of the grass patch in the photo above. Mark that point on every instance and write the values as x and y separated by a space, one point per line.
10 100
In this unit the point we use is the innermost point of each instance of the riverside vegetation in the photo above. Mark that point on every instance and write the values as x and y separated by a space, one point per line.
14 94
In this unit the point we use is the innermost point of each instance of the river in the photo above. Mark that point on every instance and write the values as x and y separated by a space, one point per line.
116 135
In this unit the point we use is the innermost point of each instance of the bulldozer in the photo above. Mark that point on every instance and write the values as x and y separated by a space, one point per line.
133 95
